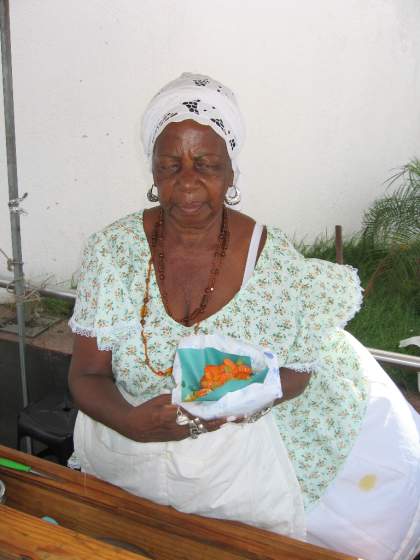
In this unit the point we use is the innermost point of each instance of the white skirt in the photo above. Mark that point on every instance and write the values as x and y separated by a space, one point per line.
372 508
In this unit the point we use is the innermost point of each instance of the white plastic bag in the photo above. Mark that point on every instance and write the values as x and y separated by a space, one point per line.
237 402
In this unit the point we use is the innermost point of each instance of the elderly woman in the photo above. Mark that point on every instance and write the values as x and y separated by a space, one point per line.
340 467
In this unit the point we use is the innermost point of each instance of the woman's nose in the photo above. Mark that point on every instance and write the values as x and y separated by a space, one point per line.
187 178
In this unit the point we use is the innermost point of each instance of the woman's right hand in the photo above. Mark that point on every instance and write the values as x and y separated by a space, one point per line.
155 420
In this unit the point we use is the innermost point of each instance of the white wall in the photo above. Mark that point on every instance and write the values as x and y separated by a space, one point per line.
330 90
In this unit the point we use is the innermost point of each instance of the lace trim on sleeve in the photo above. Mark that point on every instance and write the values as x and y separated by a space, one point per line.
358 299
80 329
309 367
114 331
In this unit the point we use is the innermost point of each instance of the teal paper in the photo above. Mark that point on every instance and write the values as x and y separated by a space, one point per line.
193 362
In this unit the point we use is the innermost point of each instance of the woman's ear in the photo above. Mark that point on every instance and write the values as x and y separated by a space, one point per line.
231 176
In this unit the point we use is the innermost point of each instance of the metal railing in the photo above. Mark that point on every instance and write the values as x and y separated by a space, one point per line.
42 291
396 359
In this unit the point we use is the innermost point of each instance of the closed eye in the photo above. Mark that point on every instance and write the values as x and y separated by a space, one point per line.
207 166
166 166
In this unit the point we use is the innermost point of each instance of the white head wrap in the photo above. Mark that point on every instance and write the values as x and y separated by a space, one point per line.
202 99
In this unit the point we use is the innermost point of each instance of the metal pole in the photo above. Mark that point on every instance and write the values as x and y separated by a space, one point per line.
339 245
396 358
14 201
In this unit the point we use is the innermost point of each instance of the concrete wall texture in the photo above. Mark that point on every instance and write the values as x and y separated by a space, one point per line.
330 91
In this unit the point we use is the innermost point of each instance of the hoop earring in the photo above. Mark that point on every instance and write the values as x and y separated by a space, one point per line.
231 199
152 197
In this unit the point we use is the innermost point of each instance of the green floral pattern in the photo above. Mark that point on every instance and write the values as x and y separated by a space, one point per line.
294 306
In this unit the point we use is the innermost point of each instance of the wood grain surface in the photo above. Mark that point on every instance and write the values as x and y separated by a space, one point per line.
87 505
36 539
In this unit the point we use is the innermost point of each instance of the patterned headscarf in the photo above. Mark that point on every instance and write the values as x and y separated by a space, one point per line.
202 99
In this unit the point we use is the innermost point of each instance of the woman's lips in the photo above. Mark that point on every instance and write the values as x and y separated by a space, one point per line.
190 207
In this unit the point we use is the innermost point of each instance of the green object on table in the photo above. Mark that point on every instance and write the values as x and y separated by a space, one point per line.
14 465
9 464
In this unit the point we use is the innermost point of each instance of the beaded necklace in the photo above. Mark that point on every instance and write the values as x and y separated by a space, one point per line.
157 243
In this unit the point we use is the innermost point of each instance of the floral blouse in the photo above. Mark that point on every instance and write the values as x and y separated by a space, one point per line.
294 306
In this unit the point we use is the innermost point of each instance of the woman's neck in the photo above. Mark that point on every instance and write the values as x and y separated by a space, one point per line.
193 237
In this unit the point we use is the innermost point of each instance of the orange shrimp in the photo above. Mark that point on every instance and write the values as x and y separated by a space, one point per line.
217 375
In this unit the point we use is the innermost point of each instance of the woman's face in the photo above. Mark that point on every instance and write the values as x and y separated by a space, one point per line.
192 171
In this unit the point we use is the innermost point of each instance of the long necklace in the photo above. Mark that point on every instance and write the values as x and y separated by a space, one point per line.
188 320
219 254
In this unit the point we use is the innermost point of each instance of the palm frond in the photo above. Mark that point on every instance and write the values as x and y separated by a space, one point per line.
392 225
395 218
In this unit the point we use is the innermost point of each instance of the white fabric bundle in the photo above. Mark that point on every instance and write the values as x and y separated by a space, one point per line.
242 402
202 99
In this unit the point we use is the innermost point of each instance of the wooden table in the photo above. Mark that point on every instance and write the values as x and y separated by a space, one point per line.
91 512
24 536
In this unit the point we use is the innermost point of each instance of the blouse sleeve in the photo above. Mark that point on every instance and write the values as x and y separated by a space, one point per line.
327 296
102 308
84 315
